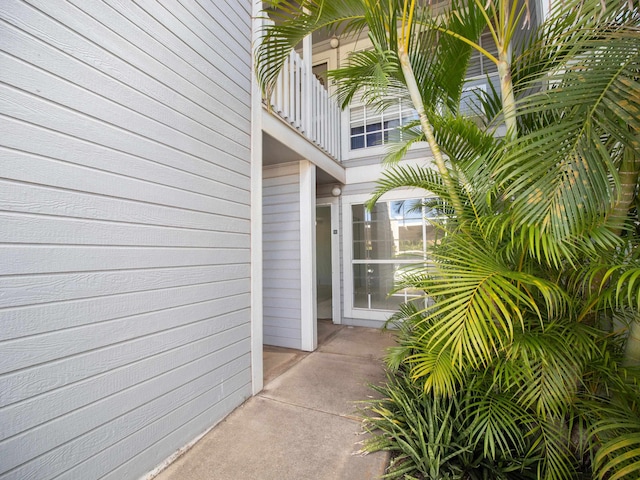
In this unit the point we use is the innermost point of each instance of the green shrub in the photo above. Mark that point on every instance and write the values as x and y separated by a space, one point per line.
431 437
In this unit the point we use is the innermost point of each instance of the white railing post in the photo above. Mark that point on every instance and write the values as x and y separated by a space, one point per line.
311 107
337 116
307 112
330 131
301 100
291 87
316 106
278 96
325 119
300 90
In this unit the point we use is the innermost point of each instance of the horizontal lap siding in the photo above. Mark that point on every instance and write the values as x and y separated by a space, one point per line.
281 263
124 231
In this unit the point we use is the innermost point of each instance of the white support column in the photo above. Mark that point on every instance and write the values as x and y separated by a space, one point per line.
257 378
308 326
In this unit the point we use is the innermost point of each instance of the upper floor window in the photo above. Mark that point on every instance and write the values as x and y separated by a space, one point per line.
479 65
371 127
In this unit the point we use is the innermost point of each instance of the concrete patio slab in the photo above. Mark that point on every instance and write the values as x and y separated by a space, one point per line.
327 382
268 440
303 425
360 342
278 360
327 330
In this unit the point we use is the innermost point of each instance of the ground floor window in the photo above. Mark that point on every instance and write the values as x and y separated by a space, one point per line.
386 241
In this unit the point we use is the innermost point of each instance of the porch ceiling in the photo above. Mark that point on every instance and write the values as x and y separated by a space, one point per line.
274 152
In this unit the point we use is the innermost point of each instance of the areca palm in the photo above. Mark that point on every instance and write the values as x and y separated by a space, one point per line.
404 61
532 286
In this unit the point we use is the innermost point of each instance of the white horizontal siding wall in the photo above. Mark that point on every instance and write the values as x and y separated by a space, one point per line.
281 261
124 230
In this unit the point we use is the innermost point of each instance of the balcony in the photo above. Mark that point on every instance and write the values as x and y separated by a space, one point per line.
304 104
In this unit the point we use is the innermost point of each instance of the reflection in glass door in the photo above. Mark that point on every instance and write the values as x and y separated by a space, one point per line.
387 242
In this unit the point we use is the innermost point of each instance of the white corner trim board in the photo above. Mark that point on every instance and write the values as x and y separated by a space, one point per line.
309 332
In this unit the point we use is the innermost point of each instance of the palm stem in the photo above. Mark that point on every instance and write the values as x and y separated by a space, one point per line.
632 349
628 173
418 104
504 29
427 128
508 98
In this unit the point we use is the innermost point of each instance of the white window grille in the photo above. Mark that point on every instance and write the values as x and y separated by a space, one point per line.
370 127
386 242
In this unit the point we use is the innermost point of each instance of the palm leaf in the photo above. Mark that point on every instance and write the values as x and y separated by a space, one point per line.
619 455
377 84
480 301
563 175
545 366
496 422
407 176
295 21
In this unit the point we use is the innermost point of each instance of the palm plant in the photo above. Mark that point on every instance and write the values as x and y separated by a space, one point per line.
534 289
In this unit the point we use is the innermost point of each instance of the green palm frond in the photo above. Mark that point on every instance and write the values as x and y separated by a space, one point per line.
547 249
407 176
397 151
562 195
407 321
462 140
543 245
545 49
376 82
434 368
564 175
619 454
482 300
438 54
465 144
296 20
496 423
606 378
545 366
612 278
429 180
627 284
556 459
489 109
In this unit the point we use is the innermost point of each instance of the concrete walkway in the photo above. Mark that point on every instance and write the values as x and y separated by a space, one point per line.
303 425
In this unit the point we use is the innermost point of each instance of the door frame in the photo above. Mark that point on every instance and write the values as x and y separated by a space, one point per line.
334 203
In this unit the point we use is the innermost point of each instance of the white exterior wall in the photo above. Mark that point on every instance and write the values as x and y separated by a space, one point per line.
125 230
281 263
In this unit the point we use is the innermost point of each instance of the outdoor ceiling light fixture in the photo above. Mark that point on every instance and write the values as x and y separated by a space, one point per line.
336 191
334 42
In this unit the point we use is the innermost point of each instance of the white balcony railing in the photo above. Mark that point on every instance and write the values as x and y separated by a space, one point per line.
307 106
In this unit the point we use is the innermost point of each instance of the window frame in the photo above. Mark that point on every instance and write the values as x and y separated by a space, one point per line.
472 87
402 107
350 310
